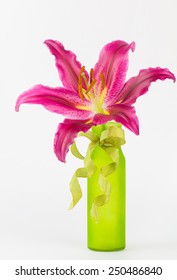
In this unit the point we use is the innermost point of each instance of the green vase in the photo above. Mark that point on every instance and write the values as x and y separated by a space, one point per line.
108 233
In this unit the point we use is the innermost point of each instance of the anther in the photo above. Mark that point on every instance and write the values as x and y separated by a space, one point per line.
82 70
80 85
102 80
91 75
80 92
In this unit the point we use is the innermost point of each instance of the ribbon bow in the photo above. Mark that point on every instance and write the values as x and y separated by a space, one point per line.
108 137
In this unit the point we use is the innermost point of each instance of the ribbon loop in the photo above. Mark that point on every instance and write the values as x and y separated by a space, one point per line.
75 151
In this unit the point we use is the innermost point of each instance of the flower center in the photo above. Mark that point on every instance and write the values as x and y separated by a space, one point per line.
93 91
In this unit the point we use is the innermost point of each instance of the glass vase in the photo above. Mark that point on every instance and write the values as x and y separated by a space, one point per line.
108 232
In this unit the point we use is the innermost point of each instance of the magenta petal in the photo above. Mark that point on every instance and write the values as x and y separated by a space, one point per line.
139 85
123 114
58 100
67 65
113 63
65 135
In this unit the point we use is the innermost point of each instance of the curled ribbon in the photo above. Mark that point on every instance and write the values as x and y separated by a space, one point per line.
108 137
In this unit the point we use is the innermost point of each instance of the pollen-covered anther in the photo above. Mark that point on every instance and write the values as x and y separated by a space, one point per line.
91 75
82 70
102 81
80 92
80 85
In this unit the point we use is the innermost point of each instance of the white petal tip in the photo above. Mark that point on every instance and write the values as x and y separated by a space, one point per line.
132 46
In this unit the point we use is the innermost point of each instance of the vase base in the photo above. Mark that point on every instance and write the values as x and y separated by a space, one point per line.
106 250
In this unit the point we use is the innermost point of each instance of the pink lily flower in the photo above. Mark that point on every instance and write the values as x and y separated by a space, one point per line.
92 99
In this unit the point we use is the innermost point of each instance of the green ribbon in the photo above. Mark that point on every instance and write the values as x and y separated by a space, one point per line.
108 137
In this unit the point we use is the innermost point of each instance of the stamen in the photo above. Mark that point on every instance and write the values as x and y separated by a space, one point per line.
85 95
102 80
90 86
80 91
82 75
80 83
103 86
91 75
82 70
85 79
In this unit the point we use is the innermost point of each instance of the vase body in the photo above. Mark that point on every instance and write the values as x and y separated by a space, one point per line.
108 233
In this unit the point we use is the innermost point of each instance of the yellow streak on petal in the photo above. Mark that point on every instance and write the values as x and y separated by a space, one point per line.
81 107
119 101
106 112
89 121
103 95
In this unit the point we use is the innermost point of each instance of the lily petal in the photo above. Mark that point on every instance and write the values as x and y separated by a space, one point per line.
123 114
67 65
57 100
113 64
139 85
65 135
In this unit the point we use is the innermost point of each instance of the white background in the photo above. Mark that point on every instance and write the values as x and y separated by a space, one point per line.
34 191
